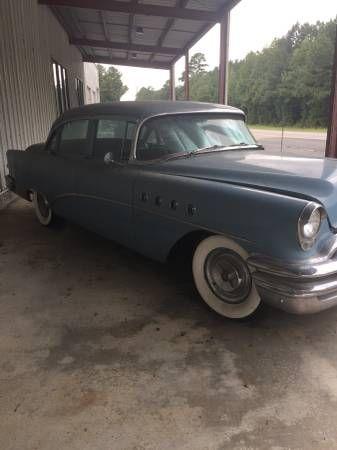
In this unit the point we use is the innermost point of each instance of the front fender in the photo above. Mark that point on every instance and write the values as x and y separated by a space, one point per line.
261 221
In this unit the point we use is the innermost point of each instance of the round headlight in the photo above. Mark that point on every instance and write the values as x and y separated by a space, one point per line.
309 224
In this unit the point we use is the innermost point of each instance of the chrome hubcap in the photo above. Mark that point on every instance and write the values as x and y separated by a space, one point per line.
227 275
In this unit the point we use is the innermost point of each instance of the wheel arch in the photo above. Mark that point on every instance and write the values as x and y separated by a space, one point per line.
185 245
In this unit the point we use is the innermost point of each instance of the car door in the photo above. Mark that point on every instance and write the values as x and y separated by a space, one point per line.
96 191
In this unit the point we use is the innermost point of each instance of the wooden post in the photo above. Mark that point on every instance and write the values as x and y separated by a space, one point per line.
187 76
172 84
223 64
331 143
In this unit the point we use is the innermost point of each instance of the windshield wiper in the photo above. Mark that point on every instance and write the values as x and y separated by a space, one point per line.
190 153
244 144
206 149
210 149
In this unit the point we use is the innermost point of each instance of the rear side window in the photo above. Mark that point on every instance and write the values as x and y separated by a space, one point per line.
111 129
113 135
74 138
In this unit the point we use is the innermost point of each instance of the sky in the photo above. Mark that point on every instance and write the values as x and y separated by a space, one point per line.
254 25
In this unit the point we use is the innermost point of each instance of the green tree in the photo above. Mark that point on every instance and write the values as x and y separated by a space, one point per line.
110 84
288 82
197 66
151 94
306 83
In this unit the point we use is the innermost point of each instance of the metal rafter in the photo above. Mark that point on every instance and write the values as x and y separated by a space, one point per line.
121 46
123 25
78 27
220 13
181 4
131 25
125 62
144 9
105 32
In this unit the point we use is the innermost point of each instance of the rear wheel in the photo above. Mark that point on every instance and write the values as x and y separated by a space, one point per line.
42 209
223 278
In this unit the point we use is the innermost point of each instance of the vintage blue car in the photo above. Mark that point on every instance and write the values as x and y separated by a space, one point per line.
170 177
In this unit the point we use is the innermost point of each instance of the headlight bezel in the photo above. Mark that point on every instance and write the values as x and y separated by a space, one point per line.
306 217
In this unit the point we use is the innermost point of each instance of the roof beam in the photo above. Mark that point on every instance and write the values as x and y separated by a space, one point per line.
125 62
126 47
112 23
105 29
221 14
104 25
131 8
131 25
180 4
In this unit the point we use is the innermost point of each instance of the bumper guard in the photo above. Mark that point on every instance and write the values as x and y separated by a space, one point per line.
303 288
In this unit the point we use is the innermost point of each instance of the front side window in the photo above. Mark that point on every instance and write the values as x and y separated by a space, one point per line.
74 140
113 135
164 136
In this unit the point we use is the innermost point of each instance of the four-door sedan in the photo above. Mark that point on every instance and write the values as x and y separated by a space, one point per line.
164 177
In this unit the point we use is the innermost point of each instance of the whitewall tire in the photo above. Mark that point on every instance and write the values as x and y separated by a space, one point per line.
42 209
223 279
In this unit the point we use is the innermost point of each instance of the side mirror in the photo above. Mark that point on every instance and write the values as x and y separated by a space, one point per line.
109 158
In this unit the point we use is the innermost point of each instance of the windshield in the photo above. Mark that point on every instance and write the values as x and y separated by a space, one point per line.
162 137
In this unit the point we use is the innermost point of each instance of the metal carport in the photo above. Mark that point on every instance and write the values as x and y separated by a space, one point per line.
136 33
156 34
153 33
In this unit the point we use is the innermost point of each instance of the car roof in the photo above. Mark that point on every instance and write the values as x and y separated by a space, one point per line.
143 110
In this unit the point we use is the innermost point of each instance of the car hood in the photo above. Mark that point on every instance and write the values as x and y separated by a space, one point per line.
310 178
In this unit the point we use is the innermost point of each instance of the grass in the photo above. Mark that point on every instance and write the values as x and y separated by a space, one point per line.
287 127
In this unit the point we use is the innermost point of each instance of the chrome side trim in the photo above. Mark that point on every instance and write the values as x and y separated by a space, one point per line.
91 197
195 225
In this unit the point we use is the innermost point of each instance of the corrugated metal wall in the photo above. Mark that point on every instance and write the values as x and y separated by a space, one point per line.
30 36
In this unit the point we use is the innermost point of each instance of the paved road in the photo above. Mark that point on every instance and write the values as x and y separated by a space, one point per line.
296 143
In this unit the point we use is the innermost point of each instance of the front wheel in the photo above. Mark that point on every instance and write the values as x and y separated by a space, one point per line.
223 279
42 209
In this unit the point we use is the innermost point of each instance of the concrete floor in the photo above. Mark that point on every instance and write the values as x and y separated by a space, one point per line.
103 349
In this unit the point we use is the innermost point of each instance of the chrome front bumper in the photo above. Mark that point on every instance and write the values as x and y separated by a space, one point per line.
296 288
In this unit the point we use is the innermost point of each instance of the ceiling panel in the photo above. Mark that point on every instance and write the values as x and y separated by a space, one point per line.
115 26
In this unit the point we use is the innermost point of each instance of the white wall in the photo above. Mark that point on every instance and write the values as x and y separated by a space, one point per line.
30 36
91 83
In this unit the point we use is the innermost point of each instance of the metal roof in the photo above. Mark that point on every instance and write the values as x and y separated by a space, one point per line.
145 33
146 109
